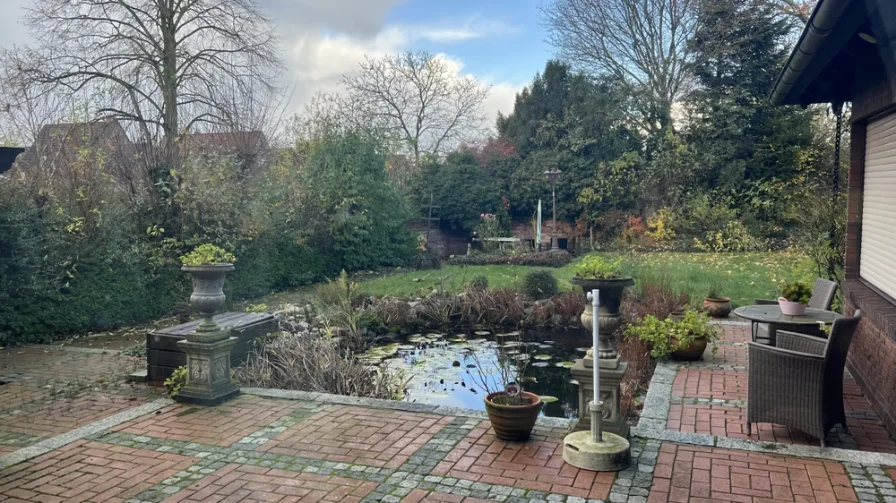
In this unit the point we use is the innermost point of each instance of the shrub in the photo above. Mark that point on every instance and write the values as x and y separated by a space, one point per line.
659 333
597 267
394 312
532 259
539 284
176 381
307 362
479 282
796 291
207 254
734 237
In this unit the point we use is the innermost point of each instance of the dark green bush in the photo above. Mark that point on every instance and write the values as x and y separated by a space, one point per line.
539 284
533 259
479 282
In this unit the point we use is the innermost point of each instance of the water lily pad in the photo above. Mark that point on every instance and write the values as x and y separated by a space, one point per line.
565 365
540 364
548 398
543 357
511 344
547 342
482 333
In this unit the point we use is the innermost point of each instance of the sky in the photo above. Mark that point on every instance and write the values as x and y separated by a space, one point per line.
499 42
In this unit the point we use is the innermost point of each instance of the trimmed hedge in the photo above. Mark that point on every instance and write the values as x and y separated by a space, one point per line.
533 259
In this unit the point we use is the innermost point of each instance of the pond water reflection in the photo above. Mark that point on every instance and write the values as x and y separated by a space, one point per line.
449 369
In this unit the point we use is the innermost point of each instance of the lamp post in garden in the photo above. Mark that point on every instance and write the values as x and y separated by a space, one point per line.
552 176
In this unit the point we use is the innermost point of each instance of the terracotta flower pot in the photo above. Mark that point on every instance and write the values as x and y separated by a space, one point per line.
691 352
717 308
513 422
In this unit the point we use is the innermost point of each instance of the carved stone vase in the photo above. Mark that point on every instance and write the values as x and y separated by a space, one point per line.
609 318
208 347
611 369
208 294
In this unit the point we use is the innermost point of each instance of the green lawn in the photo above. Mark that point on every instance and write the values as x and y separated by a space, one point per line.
744 276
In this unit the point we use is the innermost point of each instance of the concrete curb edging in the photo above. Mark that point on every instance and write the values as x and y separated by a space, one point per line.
377 403
52 443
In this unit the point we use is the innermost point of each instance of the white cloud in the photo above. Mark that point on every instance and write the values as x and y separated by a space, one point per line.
316 59
325 39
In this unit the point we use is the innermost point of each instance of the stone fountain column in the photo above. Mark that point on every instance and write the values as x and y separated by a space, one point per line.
611 368
208 347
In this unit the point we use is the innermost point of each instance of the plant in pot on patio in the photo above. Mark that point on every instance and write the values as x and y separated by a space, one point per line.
208 265
715 304
596 272
794 298
511 410
684 339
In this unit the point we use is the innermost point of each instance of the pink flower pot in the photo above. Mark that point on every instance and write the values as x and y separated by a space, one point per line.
791 308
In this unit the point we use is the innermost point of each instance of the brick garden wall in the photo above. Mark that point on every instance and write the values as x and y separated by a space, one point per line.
872 357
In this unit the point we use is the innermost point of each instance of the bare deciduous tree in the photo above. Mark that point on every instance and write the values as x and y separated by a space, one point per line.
415 98
159 63
642 42
797 10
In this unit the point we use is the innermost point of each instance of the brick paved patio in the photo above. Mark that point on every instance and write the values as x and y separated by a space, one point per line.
91 442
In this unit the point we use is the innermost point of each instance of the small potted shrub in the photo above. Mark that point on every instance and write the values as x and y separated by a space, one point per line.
794 298
715 304
596 272
209 265
511 410
682 340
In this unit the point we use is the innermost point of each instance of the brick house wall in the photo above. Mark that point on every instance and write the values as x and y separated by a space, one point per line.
872 357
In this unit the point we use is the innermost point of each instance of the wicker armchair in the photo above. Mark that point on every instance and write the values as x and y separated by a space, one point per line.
822 296
799 383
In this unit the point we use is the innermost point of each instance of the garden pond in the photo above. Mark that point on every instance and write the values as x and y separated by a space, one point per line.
451 368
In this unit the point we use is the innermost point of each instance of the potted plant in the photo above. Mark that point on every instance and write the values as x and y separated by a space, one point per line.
682 340
208 265
596 272
794 298
715 304
511 410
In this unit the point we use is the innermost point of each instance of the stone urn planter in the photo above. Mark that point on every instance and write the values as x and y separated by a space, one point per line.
208 293
513 422
718 307
609 317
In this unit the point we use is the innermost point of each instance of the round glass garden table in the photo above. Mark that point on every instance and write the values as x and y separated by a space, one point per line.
811 322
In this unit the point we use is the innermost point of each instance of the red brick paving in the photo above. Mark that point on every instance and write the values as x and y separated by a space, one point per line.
65 414
695 382
380 438
47 364
220 425
253 483
88 471
728 421
699 474
536 464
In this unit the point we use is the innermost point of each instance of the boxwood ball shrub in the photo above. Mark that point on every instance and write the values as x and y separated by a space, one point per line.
539 284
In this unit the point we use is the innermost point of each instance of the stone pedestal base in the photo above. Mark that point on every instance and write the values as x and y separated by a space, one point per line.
208 372
609 395
611 455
